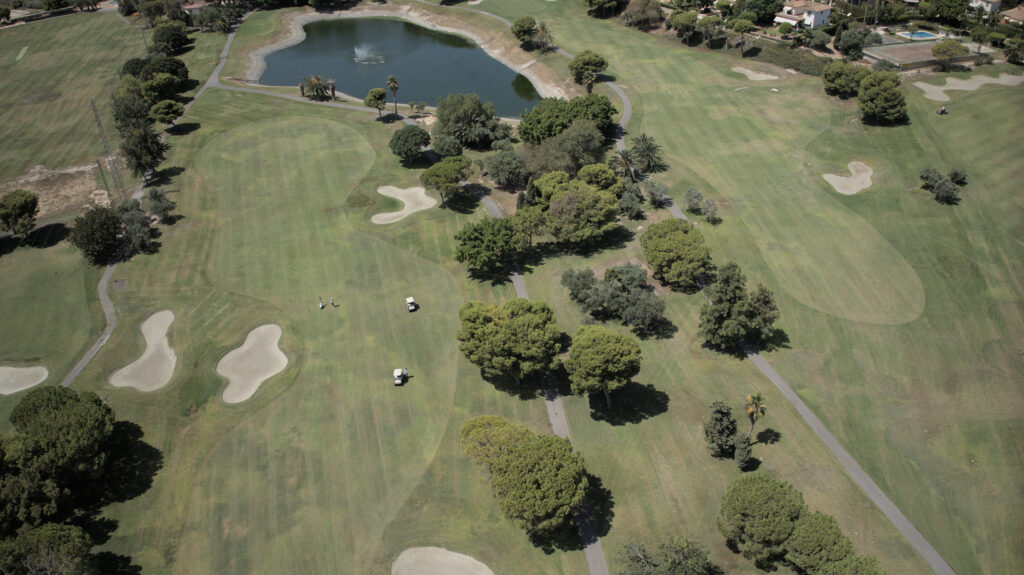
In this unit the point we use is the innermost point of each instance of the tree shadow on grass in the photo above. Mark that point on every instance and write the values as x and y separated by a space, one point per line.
768 436
164 176
183 128
110 563
524 390
660 328
466 200
633 403
131 466
47 236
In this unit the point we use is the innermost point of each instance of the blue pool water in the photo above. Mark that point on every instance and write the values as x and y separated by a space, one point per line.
919 35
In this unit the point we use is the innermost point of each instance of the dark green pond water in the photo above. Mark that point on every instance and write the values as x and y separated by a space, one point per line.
360 54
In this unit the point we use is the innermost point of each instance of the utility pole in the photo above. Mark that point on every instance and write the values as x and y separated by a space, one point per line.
115 172
104 178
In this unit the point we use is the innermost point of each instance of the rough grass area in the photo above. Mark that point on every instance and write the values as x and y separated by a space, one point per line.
276 199
45 116
904 316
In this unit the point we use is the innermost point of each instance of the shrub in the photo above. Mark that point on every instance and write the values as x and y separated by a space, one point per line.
930 177
958 176
447 146
799 60
785 28
505 168
408 142
842 78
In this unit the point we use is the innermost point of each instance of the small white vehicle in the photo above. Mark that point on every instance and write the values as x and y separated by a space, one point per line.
400 375
410 304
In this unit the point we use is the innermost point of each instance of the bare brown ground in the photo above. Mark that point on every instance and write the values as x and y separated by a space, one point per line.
59 191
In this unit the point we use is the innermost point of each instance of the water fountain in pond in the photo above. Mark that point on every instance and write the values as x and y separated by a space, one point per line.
363 55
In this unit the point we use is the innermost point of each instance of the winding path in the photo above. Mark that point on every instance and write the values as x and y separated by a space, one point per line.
593 553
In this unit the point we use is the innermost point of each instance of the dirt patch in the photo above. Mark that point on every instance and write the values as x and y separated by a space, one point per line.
501 47
436 561
938 93
15 379
752 75
257 360
156 365
60 191
414 200
859 179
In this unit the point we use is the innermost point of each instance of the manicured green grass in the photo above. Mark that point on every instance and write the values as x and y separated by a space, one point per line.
50 312
260 29
45 116
903 315
329 468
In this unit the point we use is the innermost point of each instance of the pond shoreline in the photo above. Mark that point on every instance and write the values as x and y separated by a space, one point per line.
520 63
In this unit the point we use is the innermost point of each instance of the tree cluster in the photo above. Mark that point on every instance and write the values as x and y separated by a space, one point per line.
767 521
579 145
488 247
63 461
623 294
471 122
947 50
642 13
731 315
675 557
445 176
720 430
539 480
577 214
551 116
676 254
945 188
170 37
517 339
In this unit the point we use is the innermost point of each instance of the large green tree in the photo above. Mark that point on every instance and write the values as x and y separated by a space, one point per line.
676 253
96 233
816 541
601 360
881 98
490 245
130 107
551 116
540 483
853 565
376 98
720 429
947 50
524 29
143 151
581 215
758 514
172 34
472 122
488 438
445 176
647 154
676 557
843 78
587 61
407 143
51 549
18 210
517 339
623 294
731 316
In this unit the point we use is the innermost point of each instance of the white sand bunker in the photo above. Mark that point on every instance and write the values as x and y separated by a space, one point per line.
752 75
156 365
938 93
415 199
256 361
859 179
436 561
15 379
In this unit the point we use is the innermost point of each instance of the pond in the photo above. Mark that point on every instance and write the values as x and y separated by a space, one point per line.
360 53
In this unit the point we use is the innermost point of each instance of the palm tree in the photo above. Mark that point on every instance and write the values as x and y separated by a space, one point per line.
623 164
316 87
756 409
647 154
542 37
589 77
393 88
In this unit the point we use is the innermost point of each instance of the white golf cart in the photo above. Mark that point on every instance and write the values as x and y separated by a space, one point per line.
410 304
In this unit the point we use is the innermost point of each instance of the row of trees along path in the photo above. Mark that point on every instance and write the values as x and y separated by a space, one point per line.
595 558
860 477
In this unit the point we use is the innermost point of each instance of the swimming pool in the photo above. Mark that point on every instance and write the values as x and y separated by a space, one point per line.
918 35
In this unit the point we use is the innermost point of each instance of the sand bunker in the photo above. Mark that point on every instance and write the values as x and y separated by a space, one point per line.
938 93
415 199
752 75
256 361
15 379
156 366
436 561
859 179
